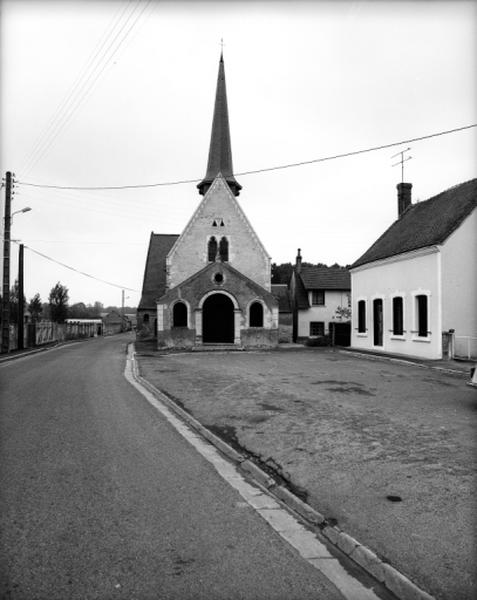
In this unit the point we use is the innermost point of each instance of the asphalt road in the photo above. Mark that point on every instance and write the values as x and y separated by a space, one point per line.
101 499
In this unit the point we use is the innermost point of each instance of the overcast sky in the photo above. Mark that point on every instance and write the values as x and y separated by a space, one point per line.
121 93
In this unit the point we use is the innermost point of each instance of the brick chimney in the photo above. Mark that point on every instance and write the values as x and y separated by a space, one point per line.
298 262
404 197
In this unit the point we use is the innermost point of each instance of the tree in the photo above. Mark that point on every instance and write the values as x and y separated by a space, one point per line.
343 313
78 311
58 301
281 273
98 308
14 302
35 307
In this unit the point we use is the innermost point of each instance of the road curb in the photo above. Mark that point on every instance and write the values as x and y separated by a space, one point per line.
390 577
11 357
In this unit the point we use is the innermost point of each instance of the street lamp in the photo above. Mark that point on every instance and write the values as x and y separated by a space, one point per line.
22 210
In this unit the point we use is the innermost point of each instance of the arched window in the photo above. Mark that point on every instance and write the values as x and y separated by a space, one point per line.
256 315
224 249
179 315
212 249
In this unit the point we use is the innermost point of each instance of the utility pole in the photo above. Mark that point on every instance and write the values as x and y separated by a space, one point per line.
21 299
6 264
122 310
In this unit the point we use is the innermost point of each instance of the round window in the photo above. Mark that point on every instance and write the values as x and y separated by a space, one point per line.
218 278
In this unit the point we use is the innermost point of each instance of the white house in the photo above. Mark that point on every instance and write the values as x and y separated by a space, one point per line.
316 294
418 281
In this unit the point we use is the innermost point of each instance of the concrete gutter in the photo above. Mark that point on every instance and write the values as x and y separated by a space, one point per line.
391 578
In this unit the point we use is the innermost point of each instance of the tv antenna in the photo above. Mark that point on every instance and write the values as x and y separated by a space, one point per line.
402 161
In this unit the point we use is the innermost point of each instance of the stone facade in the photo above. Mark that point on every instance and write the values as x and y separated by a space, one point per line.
220 303
218 215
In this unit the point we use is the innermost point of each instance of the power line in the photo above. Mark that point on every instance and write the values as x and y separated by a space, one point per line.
254 172
122 287
79 82
87 85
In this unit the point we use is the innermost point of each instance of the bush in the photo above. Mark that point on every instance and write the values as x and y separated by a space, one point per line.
320 340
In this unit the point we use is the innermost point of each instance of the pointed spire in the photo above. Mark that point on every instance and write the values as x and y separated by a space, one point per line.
220 151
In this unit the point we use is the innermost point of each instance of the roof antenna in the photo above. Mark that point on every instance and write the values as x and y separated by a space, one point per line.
402 161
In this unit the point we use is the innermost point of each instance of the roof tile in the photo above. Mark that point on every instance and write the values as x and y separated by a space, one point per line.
425 224
154 283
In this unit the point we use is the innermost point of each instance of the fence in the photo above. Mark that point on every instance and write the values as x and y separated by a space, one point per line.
465 346
47 332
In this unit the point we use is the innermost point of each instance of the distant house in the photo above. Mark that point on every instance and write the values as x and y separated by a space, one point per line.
114 323
285 312
317 293
418 281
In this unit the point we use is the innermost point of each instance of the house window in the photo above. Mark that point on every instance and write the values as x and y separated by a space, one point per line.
398 316
422 315
256 315
317 328
145 319
179 315
318 297
224 249
212 249
362 316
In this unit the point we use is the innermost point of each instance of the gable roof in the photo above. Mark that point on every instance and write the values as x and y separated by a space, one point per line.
325 278
281 293
425 224
154 282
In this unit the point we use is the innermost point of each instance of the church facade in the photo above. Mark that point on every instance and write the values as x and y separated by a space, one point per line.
211 285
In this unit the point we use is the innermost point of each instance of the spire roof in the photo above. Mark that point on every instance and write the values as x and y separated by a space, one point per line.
220 150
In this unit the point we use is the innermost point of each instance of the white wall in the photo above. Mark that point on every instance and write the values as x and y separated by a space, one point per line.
459 279
407 276
333 299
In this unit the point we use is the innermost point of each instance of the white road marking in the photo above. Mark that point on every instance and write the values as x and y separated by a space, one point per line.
289 528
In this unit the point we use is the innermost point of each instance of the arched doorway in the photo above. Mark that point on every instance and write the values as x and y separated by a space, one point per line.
218 320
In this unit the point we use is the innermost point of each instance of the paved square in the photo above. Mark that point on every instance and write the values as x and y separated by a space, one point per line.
384 449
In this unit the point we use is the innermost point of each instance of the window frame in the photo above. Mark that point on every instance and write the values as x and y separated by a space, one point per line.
422 317
322 328
318 292
255 303
175 306
223 249
397 316
362 329
212 244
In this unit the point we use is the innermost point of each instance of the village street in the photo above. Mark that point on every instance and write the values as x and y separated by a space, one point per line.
102 499
384 449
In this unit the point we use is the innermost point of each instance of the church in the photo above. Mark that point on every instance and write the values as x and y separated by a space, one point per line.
211 285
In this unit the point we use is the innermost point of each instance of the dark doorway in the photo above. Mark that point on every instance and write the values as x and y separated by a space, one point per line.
378 321
218 320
